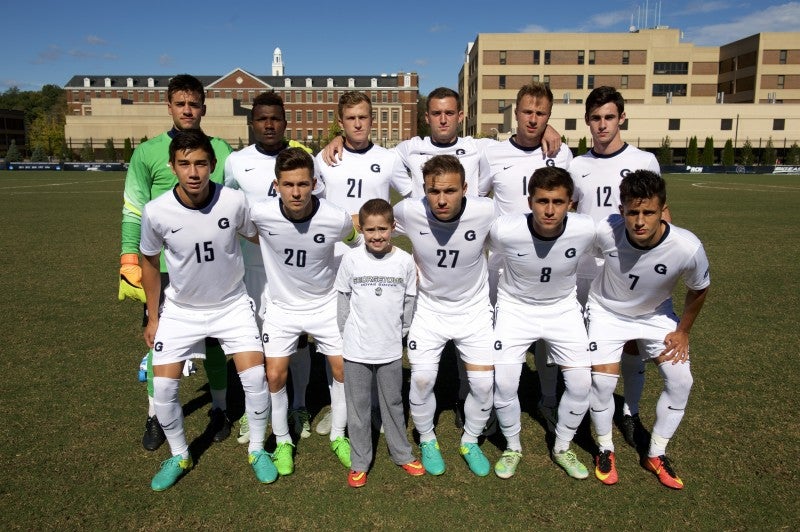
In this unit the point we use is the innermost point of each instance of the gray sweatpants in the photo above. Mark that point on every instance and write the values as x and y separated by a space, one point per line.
358 393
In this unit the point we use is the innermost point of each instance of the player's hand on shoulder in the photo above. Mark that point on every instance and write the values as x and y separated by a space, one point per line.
332 152
551 142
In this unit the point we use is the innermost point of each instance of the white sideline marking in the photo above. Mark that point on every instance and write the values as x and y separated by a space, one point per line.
737 186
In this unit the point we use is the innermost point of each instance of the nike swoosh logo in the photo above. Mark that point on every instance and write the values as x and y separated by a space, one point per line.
424 232
613 254
521 254
247 170
272 234
575 414
507 167
572 428
176 230
584 175
486 409
675 409
259 413
603 410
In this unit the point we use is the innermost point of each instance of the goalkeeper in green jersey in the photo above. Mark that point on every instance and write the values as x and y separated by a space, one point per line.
148 177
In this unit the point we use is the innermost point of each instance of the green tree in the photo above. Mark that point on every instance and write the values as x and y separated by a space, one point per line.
38 155
708 152
746 155
692 155
664 154
423 129
143 139
333 131
793 157
46 132
13 155
87 152
727 153
770 154
127 150
241 144
582 146
109 152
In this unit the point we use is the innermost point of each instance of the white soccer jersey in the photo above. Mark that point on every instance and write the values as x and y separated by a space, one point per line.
597 178
363 175
378 286
510 167
298 254
252 170
415 152
449 255
538 270
636 281
201 246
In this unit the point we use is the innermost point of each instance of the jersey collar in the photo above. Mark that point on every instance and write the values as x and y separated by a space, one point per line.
660 240
537 236
523 148
610 155
314 209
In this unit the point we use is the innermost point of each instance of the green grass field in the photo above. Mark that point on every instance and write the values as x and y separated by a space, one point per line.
73 411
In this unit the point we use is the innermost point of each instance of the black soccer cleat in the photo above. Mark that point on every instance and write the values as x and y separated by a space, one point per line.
219 425
632 430
153 434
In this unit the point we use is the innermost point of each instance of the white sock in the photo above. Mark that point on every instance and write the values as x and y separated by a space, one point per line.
574 402
151 409
170 414
478 404
658 445
632 368
256 405
605 442
300 369
601 402
421 400
506 400
280 415
338 410
673 399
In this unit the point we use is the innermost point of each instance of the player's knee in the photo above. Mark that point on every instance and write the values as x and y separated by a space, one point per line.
578 381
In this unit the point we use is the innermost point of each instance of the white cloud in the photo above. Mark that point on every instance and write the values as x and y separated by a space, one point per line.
534 28
437 28
165 60
94 40
49 55
703 7
421 62
785 17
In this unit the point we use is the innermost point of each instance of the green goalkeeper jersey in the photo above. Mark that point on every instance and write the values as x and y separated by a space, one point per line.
149 176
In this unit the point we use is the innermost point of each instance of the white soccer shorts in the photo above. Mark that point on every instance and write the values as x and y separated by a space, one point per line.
471 332
283 328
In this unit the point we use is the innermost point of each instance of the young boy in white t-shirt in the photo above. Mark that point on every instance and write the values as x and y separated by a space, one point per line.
377 288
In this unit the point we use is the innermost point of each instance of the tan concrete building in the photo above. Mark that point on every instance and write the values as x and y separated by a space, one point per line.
127 106
748 89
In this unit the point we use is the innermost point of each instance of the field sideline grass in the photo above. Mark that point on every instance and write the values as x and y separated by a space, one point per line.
73 411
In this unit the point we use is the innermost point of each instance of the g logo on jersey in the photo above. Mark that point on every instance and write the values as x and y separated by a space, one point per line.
469 235
592 346
376 168
412 345
550 162
624 172
319 238
660 268
460 152
223 223
498 345
378 291
158 346
265 338
571 252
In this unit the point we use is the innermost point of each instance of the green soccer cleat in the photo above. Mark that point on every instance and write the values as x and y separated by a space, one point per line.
507 465
475 459
341 448
171 470
262 465
244 430
300 422
432 457
283 458
570 463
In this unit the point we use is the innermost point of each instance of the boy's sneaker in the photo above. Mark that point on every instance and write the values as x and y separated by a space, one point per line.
663 470
324 425
300 422
262 465
283 459
143 369
606 468
244 430
507 465
570 463
548 414
432 459
414 468
632 429
356 479
475 459
341 448
171 470
219 425
153 434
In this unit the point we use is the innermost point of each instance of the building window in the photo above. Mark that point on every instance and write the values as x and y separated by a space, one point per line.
782 58
502 57
547 57
287 97
330 96
626 57
623 126
726 124
319 117
319 97
319 134
778 124
330 116
309 116
662 89
501 104
384 116
546 80
591 57
590 84
579 81
501 82
536 57
395 134
535 78
623 82
781 81
395 116
384 97
288 117
288 133
674 124
298 116
570 124
668 68
580 57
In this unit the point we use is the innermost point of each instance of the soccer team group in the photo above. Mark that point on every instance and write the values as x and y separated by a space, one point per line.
514 244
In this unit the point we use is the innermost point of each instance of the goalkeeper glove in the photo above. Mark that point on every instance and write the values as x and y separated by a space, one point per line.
130 278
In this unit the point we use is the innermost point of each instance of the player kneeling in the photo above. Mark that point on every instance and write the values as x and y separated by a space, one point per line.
197 225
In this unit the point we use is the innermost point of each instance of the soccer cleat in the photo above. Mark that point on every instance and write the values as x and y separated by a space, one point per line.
663 470
219 425
153 434
632 429
356 479
262 465
432 457
300 422
507 465
475 459
283 459
341 448
414 468
570 463
548 414
171 470
244 430
606 468
143 369
324 425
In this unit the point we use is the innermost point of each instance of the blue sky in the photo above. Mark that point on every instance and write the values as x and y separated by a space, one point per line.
48 42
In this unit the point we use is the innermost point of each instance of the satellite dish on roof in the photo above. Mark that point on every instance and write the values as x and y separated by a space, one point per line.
633 29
